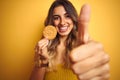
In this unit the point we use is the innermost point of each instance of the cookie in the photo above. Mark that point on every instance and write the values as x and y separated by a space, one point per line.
49 32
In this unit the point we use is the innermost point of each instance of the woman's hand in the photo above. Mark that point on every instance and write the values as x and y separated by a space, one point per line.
89 61
41 56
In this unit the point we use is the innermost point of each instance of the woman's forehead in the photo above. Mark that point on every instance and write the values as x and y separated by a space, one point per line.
59 10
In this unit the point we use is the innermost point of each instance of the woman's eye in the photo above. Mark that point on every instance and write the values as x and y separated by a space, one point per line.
55 18
67 16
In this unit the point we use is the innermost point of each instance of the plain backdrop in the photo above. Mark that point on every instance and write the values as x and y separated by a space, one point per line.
22 22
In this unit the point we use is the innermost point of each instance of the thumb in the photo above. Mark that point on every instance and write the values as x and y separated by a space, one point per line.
83 22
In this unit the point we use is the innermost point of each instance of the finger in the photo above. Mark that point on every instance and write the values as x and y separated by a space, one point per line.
45 45
102 70
106 76
83 21
40 47
42 43
43 40
45 53
97 78
85 51
103 77
90 63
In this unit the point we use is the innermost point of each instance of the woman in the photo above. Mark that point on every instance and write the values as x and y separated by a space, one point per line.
72 55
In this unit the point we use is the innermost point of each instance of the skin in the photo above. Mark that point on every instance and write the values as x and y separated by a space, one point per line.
89 61
62 20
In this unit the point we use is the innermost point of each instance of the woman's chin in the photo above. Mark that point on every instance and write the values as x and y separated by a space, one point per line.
63 34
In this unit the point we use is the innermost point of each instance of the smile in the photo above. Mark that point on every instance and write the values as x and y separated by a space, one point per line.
63 29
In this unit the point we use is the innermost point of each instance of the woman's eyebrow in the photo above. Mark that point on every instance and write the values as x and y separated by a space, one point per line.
55 15
66 13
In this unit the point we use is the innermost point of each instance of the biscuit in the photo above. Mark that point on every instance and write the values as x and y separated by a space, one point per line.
49 32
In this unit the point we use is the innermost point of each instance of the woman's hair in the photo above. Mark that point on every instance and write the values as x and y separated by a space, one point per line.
72 37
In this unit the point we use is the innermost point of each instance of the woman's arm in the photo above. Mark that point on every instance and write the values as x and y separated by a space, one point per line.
38 73
41 60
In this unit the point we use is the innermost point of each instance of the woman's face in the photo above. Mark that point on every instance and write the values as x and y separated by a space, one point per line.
62 21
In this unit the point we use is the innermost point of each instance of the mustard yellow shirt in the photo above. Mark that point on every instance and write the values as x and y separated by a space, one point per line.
61 73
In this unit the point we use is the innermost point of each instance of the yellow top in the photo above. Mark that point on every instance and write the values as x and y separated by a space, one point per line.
61 73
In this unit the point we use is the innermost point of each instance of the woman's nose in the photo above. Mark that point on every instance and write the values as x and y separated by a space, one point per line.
62 22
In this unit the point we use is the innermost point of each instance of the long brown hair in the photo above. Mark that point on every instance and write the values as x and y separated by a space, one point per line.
72 37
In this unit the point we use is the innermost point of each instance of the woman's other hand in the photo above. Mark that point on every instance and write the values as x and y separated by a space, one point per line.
89 61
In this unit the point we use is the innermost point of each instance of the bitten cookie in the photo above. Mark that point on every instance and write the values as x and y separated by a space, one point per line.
49 32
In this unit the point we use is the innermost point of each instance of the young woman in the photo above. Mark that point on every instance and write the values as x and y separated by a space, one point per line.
72 55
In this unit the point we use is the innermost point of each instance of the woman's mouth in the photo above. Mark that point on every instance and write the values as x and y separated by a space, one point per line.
63 29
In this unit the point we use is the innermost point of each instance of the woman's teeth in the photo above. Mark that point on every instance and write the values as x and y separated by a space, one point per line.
62 29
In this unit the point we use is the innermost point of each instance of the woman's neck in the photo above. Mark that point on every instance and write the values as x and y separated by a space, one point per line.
61 50
63 39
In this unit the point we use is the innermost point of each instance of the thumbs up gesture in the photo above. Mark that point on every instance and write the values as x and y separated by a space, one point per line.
89 60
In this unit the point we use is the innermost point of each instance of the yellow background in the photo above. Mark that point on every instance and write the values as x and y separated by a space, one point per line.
21 25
